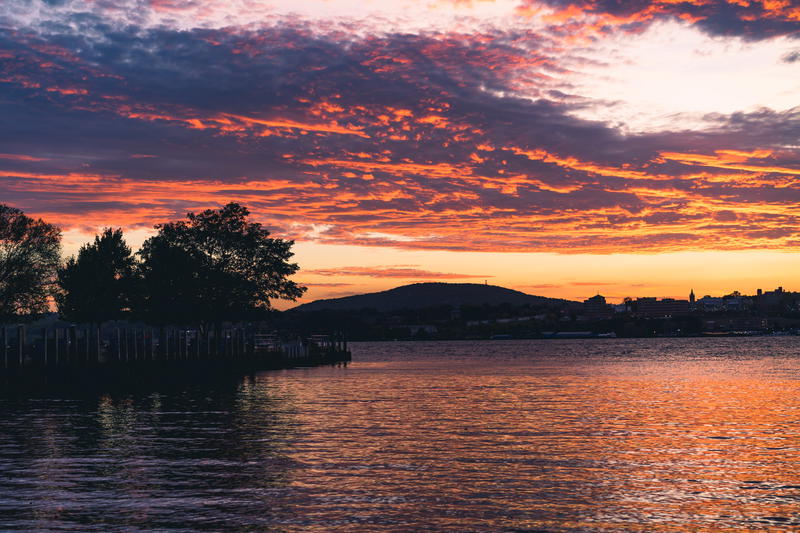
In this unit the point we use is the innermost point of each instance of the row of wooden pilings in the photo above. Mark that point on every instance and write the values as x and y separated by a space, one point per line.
74 345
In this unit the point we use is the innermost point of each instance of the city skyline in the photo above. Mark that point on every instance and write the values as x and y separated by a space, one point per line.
557 147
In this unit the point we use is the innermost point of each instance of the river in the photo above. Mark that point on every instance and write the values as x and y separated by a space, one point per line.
678 435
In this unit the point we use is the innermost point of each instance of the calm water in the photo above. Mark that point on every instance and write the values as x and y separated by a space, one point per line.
604 435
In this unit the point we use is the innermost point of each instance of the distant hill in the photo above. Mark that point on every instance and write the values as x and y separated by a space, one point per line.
422 295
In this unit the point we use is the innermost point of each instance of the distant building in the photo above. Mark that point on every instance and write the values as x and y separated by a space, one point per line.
415 329
775 301
737 303
710 304
666 307
596 308
740 324
733 302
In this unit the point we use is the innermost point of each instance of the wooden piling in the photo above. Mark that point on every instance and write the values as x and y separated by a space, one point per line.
73 345
5 347
21 344
161 338
44 342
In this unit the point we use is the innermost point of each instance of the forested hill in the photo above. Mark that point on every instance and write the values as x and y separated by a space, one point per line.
424 295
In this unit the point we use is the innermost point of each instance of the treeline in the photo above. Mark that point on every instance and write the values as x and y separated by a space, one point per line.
214 266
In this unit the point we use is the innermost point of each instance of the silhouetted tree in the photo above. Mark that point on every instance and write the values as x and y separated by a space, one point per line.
29 255
213 267
100 283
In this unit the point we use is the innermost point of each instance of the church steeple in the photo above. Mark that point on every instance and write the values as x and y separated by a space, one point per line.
691 297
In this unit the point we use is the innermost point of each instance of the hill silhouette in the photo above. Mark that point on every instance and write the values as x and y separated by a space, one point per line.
423 295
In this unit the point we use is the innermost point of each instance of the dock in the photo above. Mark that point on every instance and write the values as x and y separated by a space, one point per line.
81 353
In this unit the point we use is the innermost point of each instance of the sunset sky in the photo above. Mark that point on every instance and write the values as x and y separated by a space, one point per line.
558 147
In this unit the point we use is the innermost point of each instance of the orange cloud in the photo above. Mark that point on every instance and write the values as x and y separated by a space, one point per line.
421 145
730 159
392 271
233 123
574 163
22 157
289 124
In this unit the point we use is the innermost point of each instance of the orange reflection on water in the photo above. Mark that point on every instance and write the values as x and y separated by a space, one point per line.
470 442
666 435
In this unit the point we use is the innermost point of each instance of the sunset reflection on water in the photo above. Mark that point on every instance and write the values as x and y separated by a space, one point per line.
606 435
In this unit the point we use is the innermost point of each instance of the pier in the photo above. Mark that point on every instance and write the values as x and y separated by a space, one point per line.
84 352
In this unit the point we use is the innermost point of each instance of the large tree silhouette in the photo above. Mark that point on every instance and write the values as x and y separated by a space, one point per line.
100 283
29 255
214 266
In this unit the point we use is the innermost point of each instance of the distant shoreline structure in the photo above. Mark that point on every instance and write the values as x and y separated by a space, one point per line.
449 311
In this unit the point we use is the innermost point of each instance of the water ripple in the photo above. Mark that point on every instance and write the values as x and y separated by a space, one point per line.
602 435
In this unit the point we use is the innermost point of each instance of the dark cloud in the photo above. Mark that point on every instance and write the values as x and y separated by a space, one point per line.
362 139
725 216
752 20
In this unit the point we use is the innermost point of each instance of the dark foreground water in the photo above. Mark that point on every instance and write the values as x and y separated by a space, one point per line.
604 435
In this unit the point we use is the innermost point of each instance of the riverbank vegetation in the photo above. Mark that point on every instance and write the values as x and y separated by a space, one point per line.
30 251
214 266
